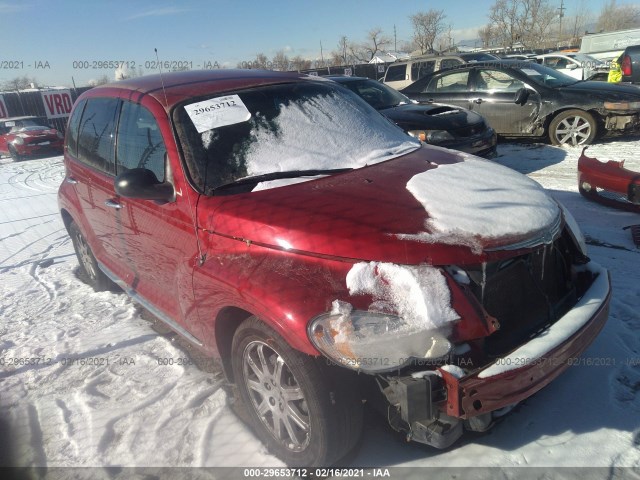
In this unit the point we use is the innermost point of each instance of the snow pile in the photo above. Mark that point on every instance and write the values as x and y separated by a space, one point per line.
477 199
324 133
417 294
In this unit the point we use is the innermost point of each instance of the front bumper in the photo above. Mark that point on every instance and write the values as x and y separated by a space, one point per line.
44 146
609 183
482 145
469 399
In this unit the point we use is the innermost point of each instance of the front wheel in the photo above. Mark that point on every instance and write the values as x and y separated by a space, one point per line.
293 404
573 127
14 154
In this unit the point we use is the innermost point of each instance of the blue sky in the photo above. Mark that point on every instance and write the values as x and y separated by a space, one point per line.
225 31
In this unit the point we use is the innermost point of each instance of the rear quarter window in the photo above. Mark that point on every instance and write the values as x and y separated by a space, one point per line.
71 140
396 73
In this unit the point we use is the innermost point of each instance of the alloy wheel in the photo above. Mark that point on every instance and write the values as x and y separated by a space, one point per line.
574 130
276 396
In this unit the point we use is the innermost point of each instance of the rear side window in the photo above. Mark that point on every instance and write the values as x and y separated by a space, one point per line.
420 69
449 62
140 143
396 73
71 140
452 82
97 133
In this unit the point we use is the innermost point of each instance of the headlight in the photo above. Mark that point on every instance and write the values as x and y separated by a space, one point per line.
432 136
18 141
373 342
574 229
622 105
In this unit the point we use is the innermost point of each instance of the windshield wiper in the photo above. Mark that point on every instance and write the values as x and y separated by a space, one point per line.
279 175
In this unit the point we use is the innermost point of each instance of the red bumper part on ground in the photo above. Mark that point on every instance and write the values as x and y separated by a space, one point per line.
609 183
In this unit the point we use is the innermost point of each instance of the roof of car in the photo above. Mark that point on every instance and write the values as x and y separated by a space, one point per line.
344 78
179 86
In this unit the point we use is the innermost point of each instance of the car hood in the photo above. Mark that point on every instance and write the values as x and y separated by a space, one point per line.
432 116
604 90
36 133
433 205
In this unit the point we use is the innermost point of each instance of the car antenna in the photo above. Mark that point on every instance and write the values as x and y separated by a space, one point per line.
166 103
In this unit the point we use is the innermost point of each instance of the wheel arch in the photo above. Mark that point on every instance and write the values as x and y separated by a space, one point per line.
227 322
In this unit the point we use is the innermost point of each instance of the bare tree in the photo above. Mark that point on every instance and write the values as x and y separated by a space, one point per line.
299 63
340 56
618 17
20 83
576 25
487 36
525 22
280 61
376 41
427 26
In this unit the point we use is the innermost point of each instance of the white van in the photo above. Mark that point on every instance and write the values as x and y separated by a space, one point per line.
402 74
610 45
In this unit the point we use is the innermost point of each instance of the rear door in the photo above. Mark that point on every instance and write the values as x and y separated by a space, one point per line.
91 171
449 87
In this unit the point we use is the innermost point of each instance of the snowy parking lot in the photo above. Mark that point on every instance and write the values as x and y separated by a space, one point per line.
85 380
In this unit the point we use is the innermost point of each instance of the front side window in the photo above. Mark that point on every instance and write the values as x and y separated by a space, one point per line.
310 125
489 80
452 82
97 133
140 143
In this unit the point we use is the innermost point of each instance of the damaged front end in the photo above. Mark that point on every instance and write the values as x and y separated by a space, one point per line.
515 324
609 183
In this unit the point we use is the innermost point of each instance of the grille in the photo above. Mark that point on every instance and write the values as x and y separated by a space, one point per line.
525 294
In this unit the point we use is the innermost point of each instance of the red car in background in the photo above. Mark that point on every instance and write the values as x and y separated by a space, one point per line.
21 137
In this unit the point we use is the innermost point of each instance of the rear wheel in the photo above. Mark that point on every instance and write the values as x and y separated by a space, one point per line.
573 127
89 270
293 405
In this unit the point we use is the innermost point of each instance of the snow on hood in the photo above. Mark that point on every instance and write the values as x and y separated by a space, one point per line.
418 294
477 200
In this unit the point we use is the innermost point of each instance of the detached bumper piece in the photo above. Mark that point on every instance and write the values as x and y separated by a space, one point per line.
609 183
434 407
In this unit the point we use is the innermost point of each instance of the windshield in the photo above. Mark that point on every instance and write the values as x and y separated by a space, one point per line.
545 76
376 94
311 125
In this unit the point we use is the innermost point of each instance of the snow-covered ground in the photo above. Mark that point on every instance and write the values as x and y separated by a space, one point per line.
86 381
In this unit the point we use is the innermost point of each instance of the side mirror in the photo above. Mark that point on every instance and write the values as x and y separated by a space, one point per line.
142 183
521 96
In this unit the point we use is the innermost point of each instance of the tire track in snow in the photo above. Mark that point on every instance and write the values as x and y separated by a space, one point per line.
110 436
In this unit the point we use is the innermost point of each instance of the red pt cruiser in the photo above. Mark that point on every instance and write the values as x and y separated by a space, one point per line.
282 225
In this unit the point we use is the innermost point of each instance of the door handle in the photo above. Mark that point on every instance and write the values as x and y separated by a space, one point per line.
71 180
478 101
112 204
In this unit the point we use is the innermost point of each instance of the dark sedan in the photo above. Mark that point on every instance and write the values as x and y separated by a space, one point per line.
524 99
442 125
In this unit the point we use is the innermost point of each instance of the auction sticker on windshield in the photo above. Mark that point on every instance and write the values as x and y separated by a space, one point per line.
217 112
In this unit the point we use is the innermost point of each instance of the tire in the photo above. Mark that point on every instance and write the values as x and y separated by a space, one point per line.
573 127
14 154
90 273
320 422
